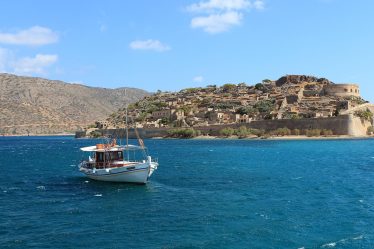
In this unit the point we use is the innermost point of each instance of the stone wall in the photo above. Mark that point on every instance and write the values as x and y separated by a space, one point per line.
341 125
342 90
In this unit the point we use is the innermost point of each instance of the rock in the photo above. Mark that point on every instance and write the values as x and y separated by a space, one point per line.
297 79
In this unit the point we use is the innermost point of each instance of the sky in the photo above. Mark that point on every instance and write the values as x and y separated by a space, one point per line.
171 45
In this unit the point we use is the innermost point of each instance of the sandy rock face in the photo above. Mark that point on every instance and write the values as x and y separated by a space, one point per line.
42 106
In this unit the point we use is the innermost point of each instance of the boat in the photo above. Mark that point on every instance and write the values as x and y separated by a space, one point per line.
113 163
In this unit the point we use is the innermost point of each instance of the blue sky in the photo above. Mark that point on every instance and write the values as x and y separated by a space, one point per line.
170 45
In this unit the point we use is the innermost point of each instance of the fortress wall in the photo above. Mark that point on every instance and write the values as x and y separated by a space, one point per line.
342 90
358 127
341 125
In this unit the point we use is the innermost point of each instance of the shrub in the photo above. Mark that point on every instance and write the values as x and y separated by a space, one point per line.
296 132
183 133
282 132
249 110
265 106
192 90
370 130
227 132
325 132
258 133
313 133
366 115
242 132
164 121
95 134
228 87
259 86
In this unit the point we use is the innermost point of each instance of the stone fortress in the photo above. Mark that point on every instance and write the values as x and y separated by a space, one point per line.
292 101
343 90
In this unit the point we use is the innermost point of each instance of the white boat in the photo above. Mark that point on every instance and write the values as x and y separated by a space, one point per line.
111 162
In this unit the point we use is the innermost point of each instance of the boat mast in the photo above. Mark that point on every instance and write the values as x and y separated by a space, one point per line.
127 129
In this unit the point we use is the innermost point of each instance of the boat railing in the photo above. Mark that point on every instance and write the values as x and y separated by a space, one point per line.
110 164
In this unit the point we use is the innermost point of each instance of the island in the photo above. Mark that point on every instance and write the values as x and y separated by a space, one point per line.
292 105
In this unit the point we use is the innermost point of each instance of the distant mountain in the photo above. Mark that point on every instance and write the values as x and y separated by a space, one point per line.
41 106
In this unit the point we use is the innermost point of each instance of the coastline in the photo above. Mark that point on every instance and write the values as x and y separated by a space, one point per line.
38 135
302 137
202 137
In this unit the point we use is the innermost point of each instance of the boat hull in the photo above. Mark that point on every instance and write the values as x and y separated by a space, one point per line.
135 174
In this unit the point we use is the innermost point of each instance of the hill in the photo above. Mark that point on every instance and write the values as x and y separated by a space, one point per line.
41 106
289 97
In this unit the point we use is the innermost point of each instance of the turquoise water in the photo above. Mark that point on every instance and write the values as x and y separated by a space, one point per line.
205 194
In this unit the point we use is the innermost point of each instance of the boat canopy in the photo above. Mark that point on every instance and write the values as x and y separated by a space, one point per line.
112 148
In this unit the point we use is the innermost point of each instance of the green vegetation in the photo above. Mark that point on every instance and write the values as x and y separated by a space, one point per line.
370 130
192 89
265 106
228 87
141 117
325 132
313 133
357 100
249 110
296 132
318 132
183 133
281 132
241 132
186 109
95 134
227 132
223 105
365 115
164 121
259 86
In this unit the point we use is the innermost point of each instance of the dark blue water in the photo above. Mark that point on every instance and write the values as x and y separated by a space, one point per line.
205 194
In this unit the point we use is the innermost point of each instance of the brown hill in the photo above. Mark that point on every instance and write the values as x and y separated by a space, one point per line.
40 106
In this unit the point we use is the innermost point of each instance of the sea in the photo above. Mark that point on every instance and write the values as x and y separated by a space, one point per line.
215 193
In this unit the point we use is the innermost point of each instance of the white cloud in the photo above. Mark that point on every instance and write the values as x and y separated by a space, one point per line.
259 4
34 36
216 16
150 44
219 4
9 63
34 65
217 23
198 79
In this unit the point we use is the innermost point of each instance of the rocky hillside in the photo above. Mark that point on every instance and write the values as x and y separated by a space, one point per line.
289 97
41 106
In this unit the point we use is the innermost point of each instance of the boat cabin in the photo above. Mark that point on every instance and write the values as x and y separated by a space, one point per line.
112 156
109 156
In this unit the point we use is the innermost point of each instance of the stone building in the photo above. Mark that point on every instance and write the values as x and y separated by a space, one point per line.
342 90
102 124
171 114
